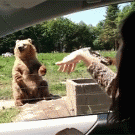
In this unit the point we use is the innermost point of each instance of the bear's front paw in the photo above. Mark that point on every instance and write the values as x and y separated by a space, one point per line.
19 103
18 78
42 70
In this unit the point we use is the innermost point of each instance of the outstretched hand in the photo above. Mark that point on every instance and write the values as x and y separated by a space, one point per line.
68 64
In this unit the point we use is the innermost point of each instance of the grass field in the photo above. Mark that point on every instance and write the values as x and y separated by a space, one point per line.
53 77
111 54
7 115
6 65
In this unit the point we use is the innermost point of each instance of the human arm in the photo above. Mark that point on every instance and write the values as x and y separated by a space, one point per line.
68 63
101 73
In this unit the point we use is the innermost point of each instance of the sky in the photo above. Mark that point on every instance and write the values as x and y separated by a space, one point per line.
92 16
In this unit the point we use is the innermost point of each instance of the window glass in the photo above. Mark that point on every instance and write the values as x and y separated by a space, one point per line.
77 93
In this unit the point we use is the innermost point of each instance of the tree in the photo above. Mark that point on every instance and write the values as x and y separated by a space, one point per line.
81 36
110 32
98 30
62 34
58 30
123 14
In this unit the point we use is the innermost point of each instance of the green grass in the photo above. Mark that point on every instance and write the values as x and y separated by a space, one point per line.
6 65
8 115
111 54
54 78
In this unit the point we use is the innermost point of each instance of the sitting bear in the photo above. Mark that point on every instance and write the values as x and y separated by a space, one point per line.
27 73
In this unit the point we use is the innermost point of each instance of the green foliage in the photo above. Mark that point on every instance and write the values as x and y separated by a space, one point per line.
125 12
111 15
61 34
109 33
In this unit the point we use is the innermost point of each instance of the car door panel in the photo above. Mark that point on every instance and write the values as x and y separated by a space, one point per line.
49 127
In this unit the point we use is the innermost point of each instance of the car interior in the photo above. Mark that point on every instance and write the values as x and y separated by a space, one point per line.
16 15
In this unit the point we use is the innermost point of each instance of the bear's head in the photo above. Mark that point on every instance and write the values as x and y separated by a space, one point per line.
24 49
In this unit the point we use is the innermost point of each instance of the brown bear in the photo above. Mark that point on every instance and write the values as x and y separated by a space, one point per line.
27 73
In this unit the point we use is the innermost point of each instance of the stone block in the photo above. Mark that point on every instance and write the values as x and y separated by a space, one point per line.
86 97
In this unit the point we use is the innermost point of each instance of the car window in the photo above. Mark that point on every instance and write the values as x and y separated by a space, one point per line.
81 92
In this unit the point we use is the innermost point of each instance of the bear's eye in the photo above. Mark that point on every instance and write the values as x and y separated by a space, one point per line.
24 44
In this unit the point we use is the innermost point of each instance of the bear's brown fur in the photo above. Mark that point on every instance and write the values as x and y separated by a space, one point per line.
27 74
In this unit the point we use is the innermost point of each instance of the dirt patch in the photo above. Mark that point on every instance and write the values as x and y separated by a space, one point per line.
4 104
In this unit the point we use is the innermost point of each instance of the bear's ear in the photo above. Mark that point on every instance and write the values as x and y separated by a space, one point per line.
29 40
17 41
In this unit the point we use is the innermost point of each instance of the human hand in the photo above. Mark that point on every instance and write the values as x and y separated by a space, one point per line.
69 131
69 62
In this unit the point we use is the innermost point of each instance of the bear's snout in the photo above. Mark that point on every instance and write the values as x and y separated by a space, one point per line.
21 48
